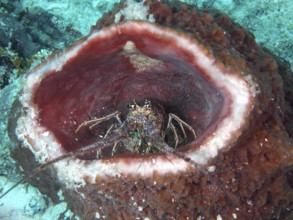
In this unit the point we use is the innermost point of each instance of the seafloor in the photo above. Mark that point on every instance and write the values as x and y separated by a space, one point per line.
57 24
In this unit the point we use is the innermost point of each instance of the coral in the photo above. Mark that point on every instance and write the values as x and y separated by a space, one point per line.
23 34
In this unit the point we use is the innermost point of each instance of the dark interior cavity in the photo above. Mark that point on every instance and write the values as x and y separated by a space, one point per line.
101 80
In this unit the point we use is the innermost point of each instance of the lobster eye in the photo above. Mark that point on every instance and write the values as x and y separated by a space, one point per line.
147 104
132 106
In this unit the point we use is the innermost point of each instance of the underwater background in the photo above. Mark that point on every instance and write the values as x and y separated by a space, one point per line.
30 30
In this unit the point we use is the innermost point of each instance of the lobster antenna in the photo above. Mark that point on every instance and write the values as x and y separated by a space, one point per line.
100 144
